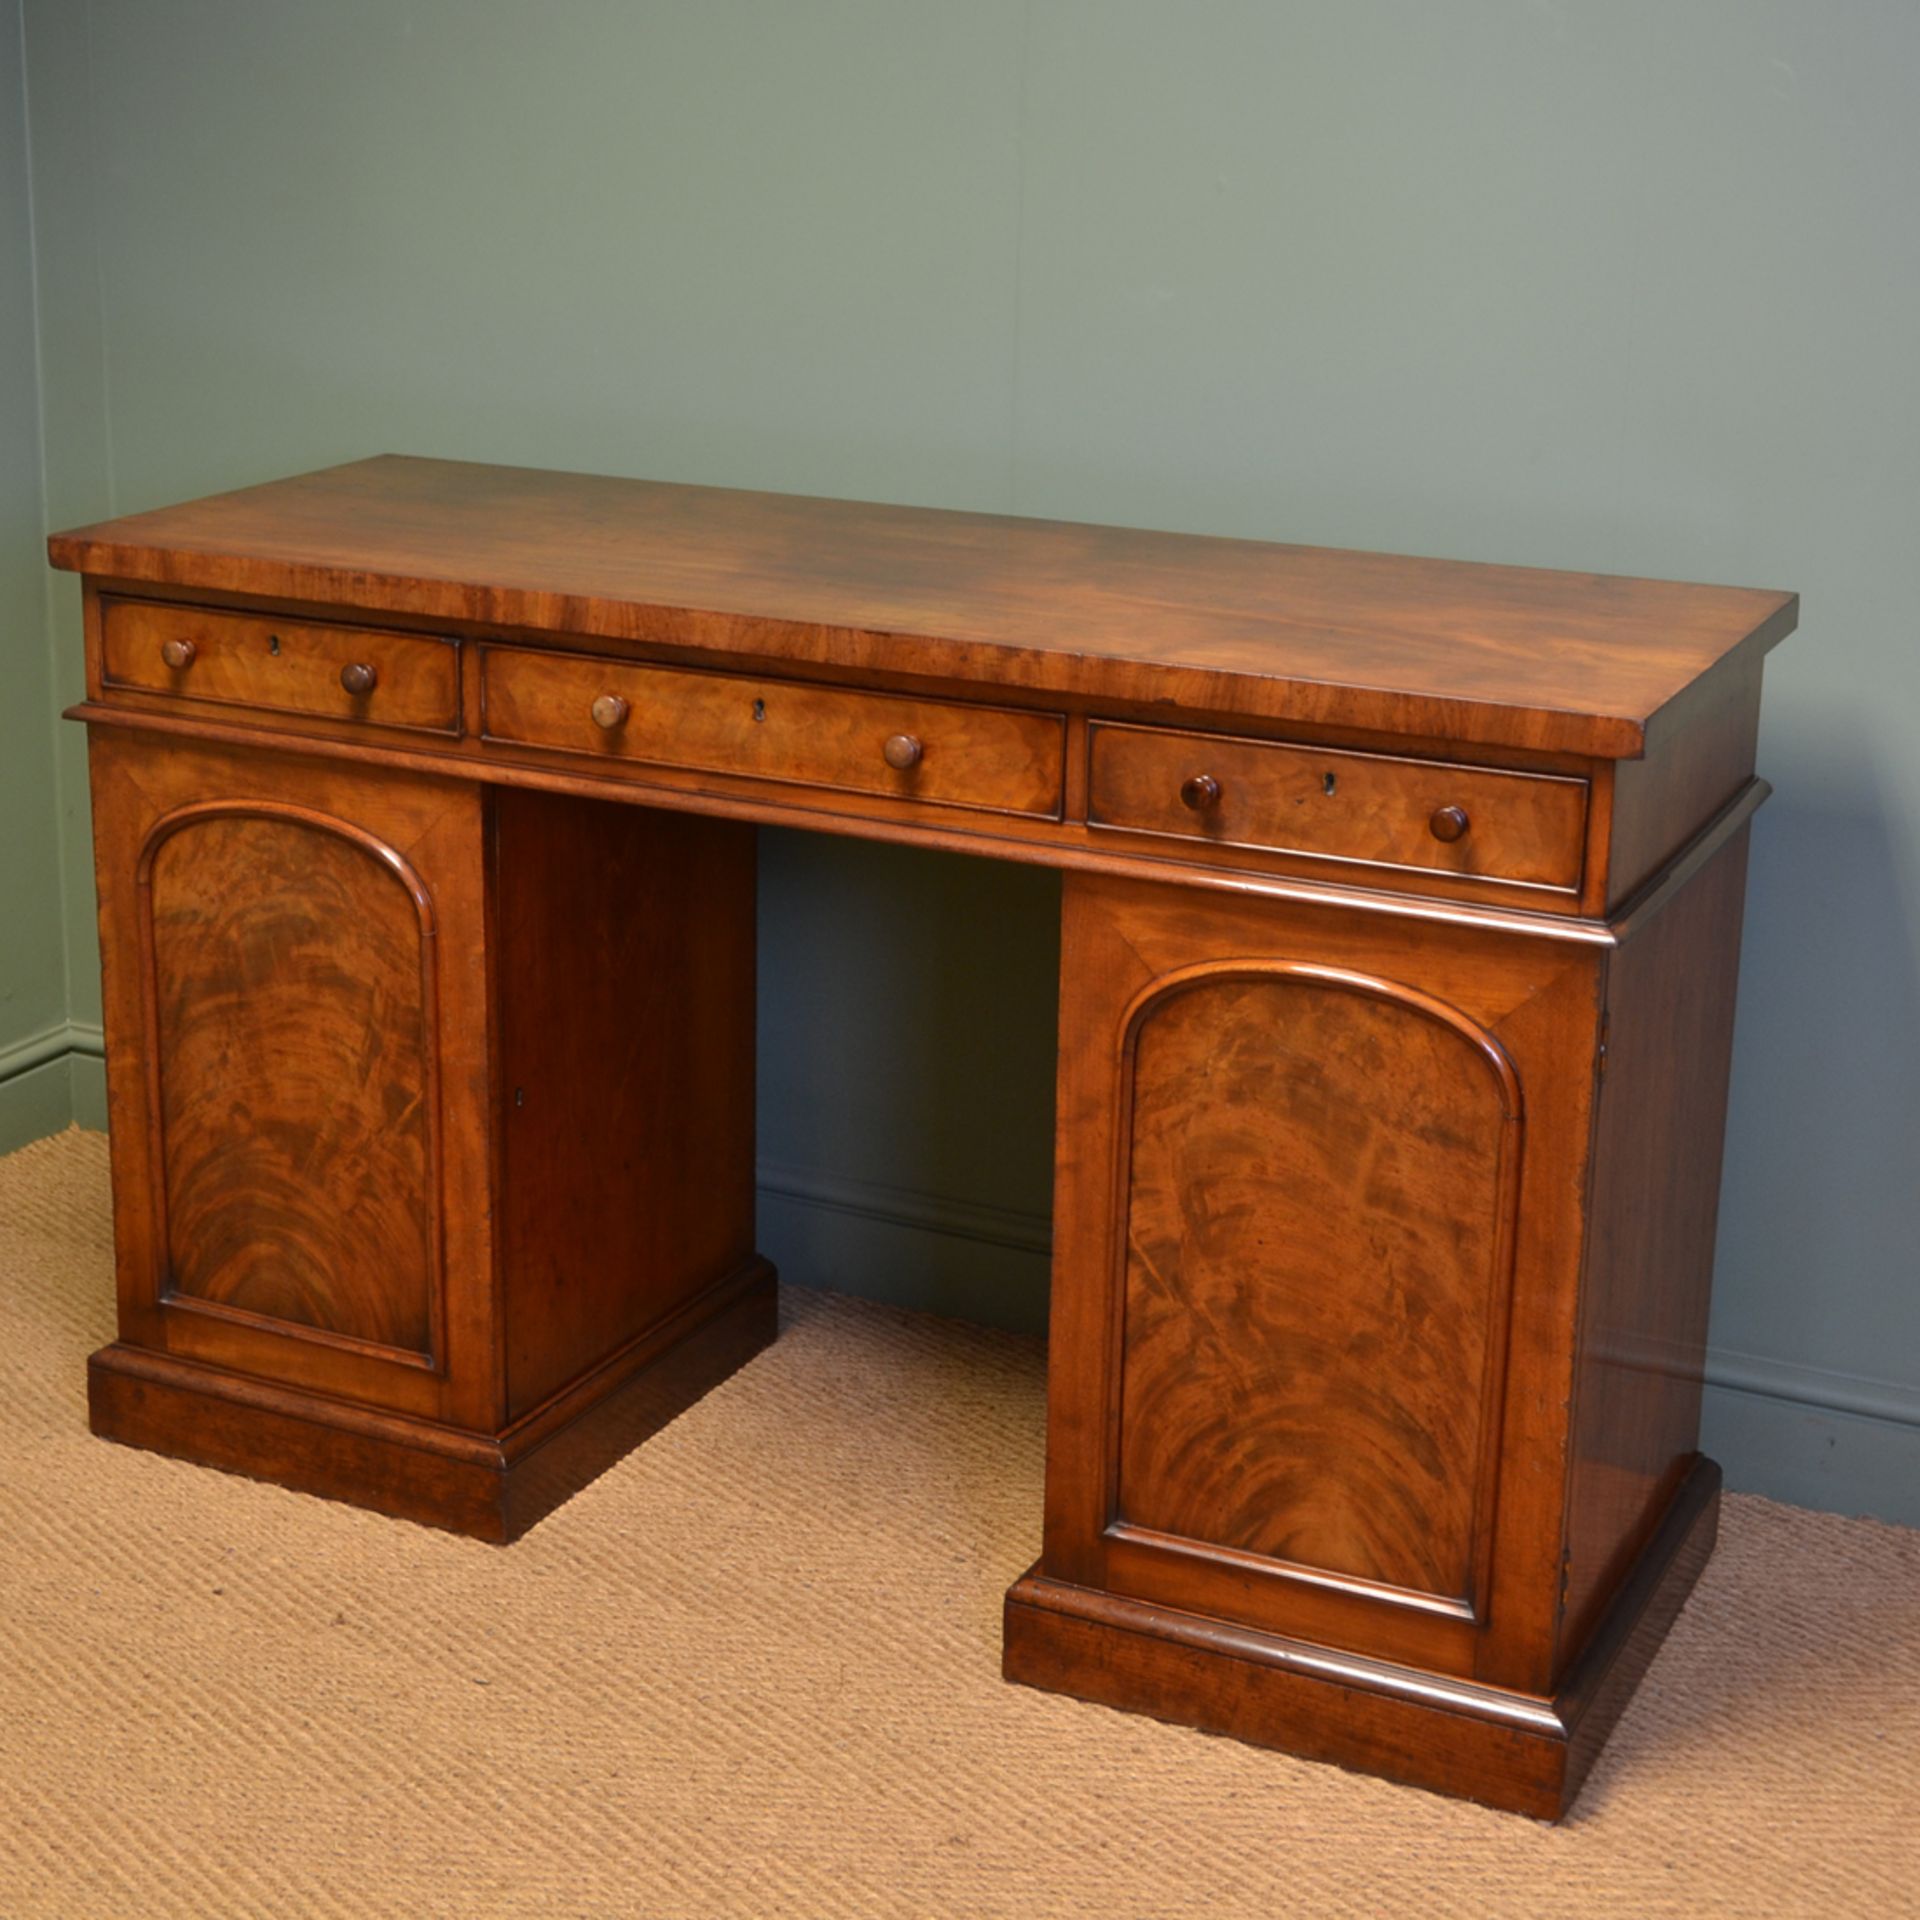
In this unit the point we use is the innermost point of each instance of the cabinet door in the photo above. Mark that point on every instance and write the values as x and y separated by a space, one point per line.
295 975
1317 1220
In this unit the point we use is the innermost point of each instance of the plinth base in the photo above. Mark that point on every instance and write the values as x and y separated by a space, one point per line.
491 1486
1515 1751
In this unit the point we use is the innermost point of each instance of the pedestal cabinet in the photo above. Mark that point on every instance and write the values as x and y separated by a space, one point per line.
432 1124
1402 904
1370 1331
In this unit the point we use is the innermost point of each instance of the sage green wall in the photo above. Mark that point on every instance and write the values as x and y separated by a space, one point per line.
1630 287
35 1069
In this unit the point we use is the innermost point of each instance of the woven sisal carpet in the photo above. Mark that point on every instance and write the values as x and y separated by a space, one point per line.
753 1670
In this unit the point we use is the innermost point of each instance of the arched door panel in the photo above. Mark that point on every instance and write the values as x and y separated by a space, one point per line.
289 967
1319 1184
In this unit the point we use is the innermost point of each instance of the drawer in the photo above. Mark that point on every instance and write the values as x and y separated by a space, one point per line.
995 758
1427 816
282 666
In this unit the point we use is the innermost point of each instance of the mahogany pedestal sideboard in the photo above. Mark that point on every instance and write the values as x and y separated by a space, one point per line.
1402 907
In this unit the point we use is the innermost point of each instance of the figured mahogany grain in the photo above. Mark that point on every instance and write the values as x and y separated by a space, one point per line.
1572 662
1318 1223
291 979
345 972
995 758
1318 1207
1370 809
281 666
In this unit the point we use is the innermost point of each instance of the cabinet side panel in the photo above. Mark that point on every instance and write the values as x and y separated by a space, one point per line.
1656 1188
625 995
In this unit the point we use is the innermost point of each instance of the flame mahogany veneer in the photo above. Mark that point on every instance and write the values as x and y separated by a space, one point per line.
1402 905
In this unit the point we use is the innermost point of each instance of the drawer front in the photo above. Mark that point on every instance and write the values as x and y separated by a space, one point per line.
282 666
1425 816
995 758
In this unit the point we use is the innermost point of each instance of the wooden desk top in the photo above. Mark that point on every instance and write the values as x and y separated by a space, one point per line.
1506 656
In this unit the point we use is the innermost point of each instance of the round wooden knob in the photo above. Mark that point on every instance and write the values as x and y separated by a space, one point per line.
358 678
178 654
901 752
609 711
1200 792
1448 823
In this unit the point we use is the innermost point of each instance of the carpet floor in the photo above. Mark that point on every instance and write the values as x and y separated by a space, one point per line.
754 1670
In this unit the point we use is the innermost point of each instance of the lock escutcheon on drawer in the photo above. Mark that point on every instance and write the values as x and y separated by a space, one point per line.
944 752
1428 816
364 674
